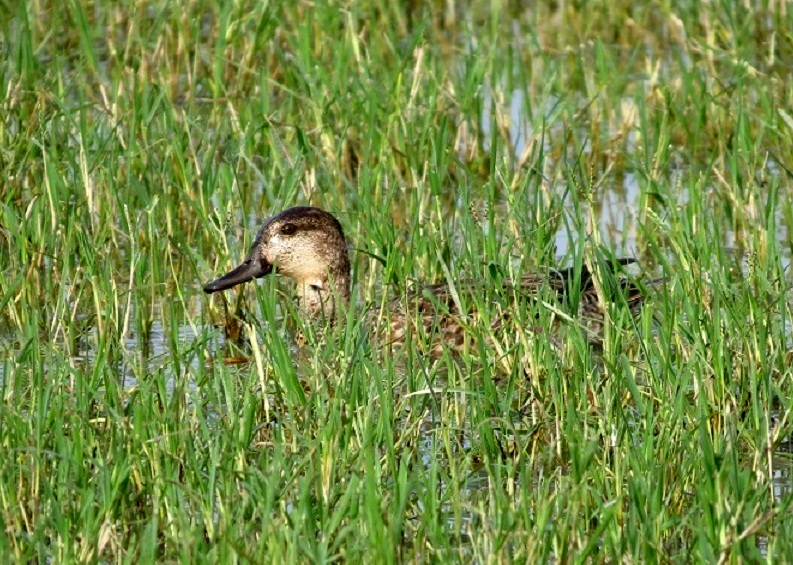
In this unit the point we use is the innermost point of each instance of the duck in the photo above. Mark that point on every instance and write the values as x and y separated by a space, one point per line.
307 245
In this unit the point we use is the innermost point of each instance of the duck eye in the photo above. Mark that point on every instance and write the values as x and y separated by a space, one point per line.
288 229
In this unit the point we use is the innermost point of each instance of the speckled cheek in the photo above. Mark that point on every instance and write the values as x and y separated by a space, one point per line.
270 248
282 259
273 242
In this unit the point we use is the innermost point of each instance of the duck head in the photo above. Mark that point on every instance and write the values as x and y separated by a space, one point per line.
305 244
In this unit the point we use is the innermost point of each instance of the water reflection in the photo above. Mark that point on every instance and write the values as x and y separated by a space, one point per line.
618 203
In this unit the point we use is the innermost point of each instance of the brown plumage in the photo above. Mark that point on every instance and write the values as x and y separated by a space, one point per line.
307 245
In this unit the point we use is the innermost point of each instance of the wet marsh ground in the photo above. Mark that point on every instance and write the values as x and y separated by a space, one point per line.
143 142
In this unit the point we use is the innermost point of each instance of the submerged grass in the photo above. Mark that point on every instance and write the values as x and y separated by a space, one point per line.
143 142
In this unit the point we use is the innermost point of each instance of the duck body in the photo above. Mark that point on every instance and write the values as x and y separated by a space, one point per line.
433 309
307 245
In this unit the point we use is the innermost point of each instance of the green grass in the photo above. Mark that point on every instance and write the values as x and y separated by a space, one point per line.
142 143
